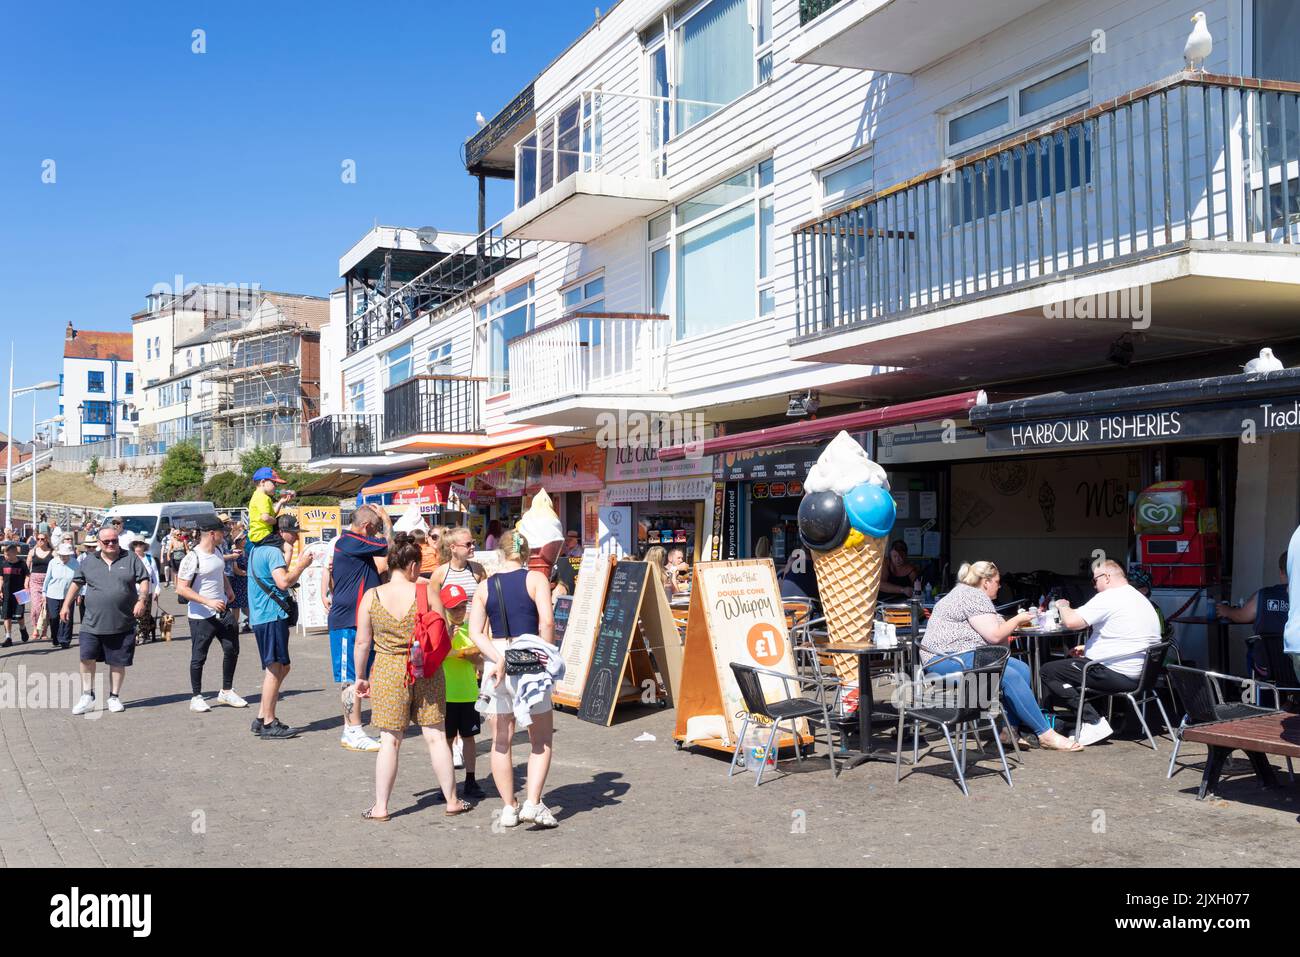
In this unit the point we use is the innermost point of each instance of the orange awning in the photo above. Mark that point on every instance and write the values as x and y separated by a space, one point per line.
468 465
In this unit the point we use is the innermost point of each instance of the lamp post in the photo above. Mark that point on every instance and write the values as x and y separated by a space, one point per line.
51 422
186 391
9 465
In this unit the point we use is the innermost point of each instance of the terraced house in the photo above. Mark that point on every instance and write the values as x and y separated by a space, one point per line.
950 227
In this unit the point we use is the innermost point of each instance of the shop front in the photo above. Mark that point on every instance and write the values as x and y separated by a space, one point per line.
574 477
664 502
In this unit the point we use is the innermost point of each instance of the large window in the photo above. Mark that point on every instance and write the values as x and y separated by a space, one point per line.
94 382
711 256
1277 53
587 295
502 318
439 359
846 179
97 413
699 57
563 143
397 364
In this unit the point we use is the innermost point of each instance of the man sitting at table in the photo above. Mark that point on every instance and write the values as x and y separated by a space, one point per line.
1124 625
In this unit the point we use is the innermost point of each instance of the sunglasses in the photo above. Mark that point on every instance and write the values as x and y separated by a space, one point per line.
1101 578
108 541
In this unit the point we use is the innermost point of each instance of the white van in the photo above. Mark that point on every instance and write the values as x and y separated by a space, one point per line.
156 521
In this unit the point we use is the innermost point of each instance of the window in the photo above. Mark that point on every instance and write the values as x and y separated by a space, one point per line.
1277 55
202 352
711 256
60 384
846 179
587 295
97 413
397 363
699 58
130 383
502 318
440 357
357 396
157 346
566 142
1029 101
148 348
189 358
94 382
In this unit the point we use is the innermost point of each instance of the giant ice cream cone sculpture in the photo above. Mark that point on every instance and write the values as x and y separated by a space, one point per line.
541 528
844 521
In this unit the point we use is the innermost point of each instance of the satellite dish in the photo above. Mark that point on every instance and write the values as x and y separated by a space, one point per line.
427 235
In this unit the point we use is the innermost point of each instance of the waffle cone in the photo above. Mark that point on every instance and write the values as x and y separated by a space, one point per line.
848 580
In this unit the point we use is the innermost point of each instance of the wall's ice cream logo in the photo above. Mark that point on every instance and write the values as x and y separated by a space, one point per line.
1157 513
845 519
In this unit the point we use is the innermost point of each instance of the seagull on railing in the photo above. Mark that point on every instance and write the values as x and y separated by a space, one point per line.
1267 362
1199 44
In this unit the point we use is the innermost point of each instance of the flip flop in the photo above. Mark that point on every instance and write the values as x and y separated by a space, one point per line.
369 816
465 808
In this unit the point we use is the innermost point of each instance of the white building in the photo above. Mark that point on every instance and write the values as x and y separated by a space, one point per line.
97 389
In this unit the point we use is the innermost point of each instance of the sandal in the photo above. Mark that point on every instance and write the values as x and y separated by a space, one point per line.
1070 745
464 808
371 816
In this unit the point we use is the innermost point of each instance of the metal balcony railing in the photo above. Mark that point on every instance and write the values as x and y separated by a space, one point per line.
585 353
442 286
429 405
812 9
1194 157
344 436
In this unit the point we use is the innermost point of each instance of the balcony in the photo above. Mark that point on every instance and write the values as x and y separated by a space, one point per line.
596 164
896 36
345 436
1161 223
443 286
567 372
433 412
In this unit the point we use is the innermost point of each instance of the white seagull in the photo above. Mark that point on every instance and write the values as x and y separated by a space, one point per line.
1199 44
1267 362
480 119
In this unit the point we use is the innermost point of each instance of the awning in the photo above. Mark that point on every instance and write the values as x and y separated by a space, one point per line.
1187 410
467 465
338 484
811 430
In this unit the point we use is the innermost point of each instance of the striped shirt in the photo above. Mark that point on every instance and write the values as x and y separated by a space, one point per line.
463 577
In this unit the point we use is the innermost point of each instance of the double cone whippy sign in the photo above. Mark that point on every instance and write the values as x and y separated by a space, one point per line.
1220 421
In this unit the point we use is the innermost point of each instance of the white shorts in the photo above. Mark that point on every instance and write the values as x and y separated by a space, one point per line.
499 700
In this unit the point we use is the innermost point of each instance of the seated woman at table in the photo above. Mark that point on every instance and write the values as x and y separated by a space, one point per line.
963 620
900 574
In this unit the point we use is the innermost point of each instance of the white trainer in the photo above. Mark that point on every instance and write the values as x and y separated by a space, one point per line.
538 814
458 754
510 815
115 704
198 704
356 739
231 699
84 703
1099 730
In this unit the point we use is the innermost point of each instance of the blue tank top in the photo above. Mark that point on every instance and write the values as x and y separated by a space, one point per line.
520 609
1271 610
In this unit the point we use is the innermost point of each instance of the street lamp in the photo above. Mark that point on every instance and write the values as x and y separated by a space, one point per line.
9 465
186 391
51 422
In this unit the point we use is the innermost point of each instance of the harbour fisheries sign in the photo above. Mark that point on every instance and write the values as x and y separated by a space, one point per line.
1237 419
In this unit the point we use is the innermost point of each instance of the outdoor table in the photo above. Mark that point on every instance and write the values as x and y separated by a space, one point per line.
866 704
1260 734
1036 636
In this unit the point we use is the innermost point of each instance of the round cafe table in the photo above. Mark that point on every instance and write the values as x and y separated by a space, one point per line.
1035 637
866 704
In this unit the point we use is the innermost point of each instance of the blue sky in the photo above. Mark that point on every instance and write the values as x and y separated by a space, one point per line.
225 166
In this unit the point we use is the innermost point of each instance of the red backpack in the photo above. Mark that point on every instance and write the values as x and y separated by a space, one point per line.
430 643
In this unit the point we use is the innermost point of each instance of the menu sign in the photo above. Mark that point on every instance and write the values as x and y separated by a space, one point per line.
784 464
613 642
561 611
580 624
1155 425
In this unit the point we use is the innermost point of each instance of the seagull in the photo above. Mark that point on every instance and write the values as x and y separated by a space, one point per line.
1199 44
1267 362
480 119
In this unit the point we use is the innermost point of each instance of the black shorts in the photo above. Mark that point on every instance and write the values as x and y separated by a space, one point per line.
12 610
462 719
273 642
113 650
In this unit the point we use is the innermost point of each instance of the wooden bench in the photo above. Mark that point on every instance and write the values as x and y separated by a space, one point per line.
1274 733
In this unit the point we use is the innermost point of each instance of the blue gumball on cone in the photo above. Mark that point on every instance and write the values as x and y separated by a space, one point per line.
871 510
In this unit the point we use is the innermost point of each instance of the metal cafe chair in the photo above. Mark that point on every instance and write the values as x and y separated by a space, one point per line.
1281 672
954 702
760 711
1153 669
1204 702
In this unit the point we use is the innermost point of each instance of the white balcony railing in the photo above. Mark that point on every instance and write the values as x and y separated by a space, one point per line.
588 354
624 134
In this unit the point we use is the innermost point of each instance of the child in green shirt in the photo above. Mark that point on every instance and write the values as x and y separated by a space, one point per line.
459 670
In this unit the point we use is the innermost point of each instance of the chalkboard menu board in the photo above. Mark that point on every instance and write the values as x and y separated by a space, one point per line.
618 621
563 605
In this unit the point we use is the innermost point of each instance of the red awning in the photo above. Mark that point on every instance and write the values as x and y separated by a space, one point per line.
810 430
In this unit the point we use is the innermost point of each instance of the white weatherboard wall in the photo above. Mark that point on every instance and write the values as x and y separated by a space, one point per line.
75 392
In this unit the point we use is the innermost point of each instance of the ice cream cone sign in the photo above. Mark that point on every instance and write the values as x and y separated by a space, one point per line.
541 528
845 519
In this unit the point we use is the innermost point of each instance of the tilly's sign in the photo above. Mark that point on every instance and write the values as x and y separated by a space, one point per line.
1149 426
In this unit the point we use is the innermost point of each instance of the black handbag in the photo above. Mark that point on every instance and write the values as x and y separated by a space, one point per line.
288 604
518 661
